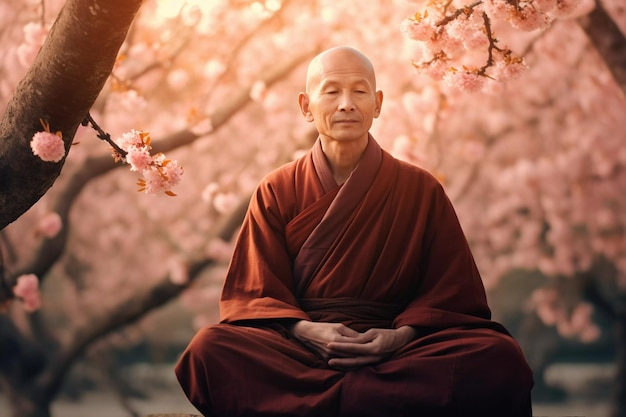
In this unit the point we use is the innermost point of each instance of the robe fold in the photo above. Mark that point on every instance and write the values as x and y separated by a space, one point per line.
383 250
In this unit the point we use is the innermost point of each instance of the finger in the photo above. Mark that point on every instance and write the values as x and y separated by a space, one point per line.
340 355
347 332
352 348
366 337
322 352
353 362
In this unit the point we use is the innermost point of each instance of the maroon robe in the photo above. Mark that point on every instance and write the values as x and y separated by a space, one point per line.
383 250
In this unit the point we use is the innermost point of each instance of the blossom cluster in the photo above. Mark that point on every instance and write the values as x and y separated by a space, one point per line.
159 173
451 38
47 145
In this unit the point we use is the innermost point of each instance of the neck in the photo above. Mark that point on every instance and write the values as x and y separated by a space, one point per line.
343 157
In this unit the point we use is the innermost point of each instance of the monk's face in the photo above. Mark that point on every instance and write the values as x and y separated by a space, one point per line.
341 97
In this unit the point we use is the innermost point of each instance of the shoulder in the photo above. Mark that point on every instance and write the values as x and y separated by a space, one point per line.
278 186
414 175
279 177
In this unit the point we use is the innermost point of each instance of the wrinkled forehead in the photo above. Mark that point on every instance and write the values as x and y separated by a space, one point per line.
340 63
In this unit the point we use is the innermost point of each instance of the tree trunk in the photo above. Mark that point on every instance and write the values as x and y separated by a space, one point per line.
608 40
60 88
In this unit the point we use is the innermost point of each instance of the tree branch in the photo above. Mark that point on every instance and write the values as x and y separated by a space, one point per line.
132 309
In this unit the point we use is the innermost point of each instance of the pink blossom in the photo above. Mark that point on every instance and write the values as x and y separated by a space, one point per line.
473 150
50 224
178 271
476 40
581 316
498 9
27 289
565 8
547 314
133 139
35 33
467 81
129 100
173 172
435 69
506 71
272 102
258 91
209 192
153 182
178 79
26 54
48 146
529 19
544 6
139 159
225 202
450 45
572 9
418 30
543 301
161 176
34 37
213 69
159 173
201 127
590 333
461 27
565 328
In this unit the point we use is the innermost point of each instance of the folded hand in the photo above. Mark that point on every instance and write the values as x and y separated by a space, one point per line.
345 348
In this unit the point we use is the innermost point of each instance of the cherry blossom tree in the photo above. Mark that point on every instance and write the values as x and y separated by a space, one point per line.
542 175
531 163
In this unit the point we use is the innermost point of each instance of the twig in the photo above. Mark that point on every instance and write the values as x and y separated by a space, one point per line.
102 134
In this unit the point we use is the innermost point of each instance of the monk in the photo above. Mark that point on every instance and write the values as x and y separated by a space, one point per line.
352 290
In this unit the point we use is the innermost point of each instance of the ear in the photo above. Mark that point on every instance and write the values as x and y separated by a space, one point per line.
379 103
305 109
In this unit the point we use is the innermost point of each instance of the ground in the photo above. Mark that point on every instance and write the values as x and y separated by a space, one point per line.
581 381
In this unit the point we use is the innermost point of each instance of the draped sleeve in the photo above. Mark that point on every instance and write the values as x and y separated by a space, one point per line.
450 291
288 203
259 283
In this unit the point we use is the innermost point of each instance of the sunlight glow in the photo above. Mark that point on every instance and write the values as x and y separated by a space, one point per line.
266 6
168 9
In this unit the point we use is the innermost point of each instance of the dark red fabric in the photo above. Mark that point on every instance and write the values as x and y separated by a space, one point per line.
385 249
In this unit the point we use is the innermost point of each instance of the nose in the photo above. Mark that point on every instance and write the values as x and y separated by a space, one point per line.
346 103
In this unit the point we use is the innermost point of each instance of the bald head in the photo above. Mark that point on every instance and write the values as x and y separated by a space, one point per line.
337 60
341 98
